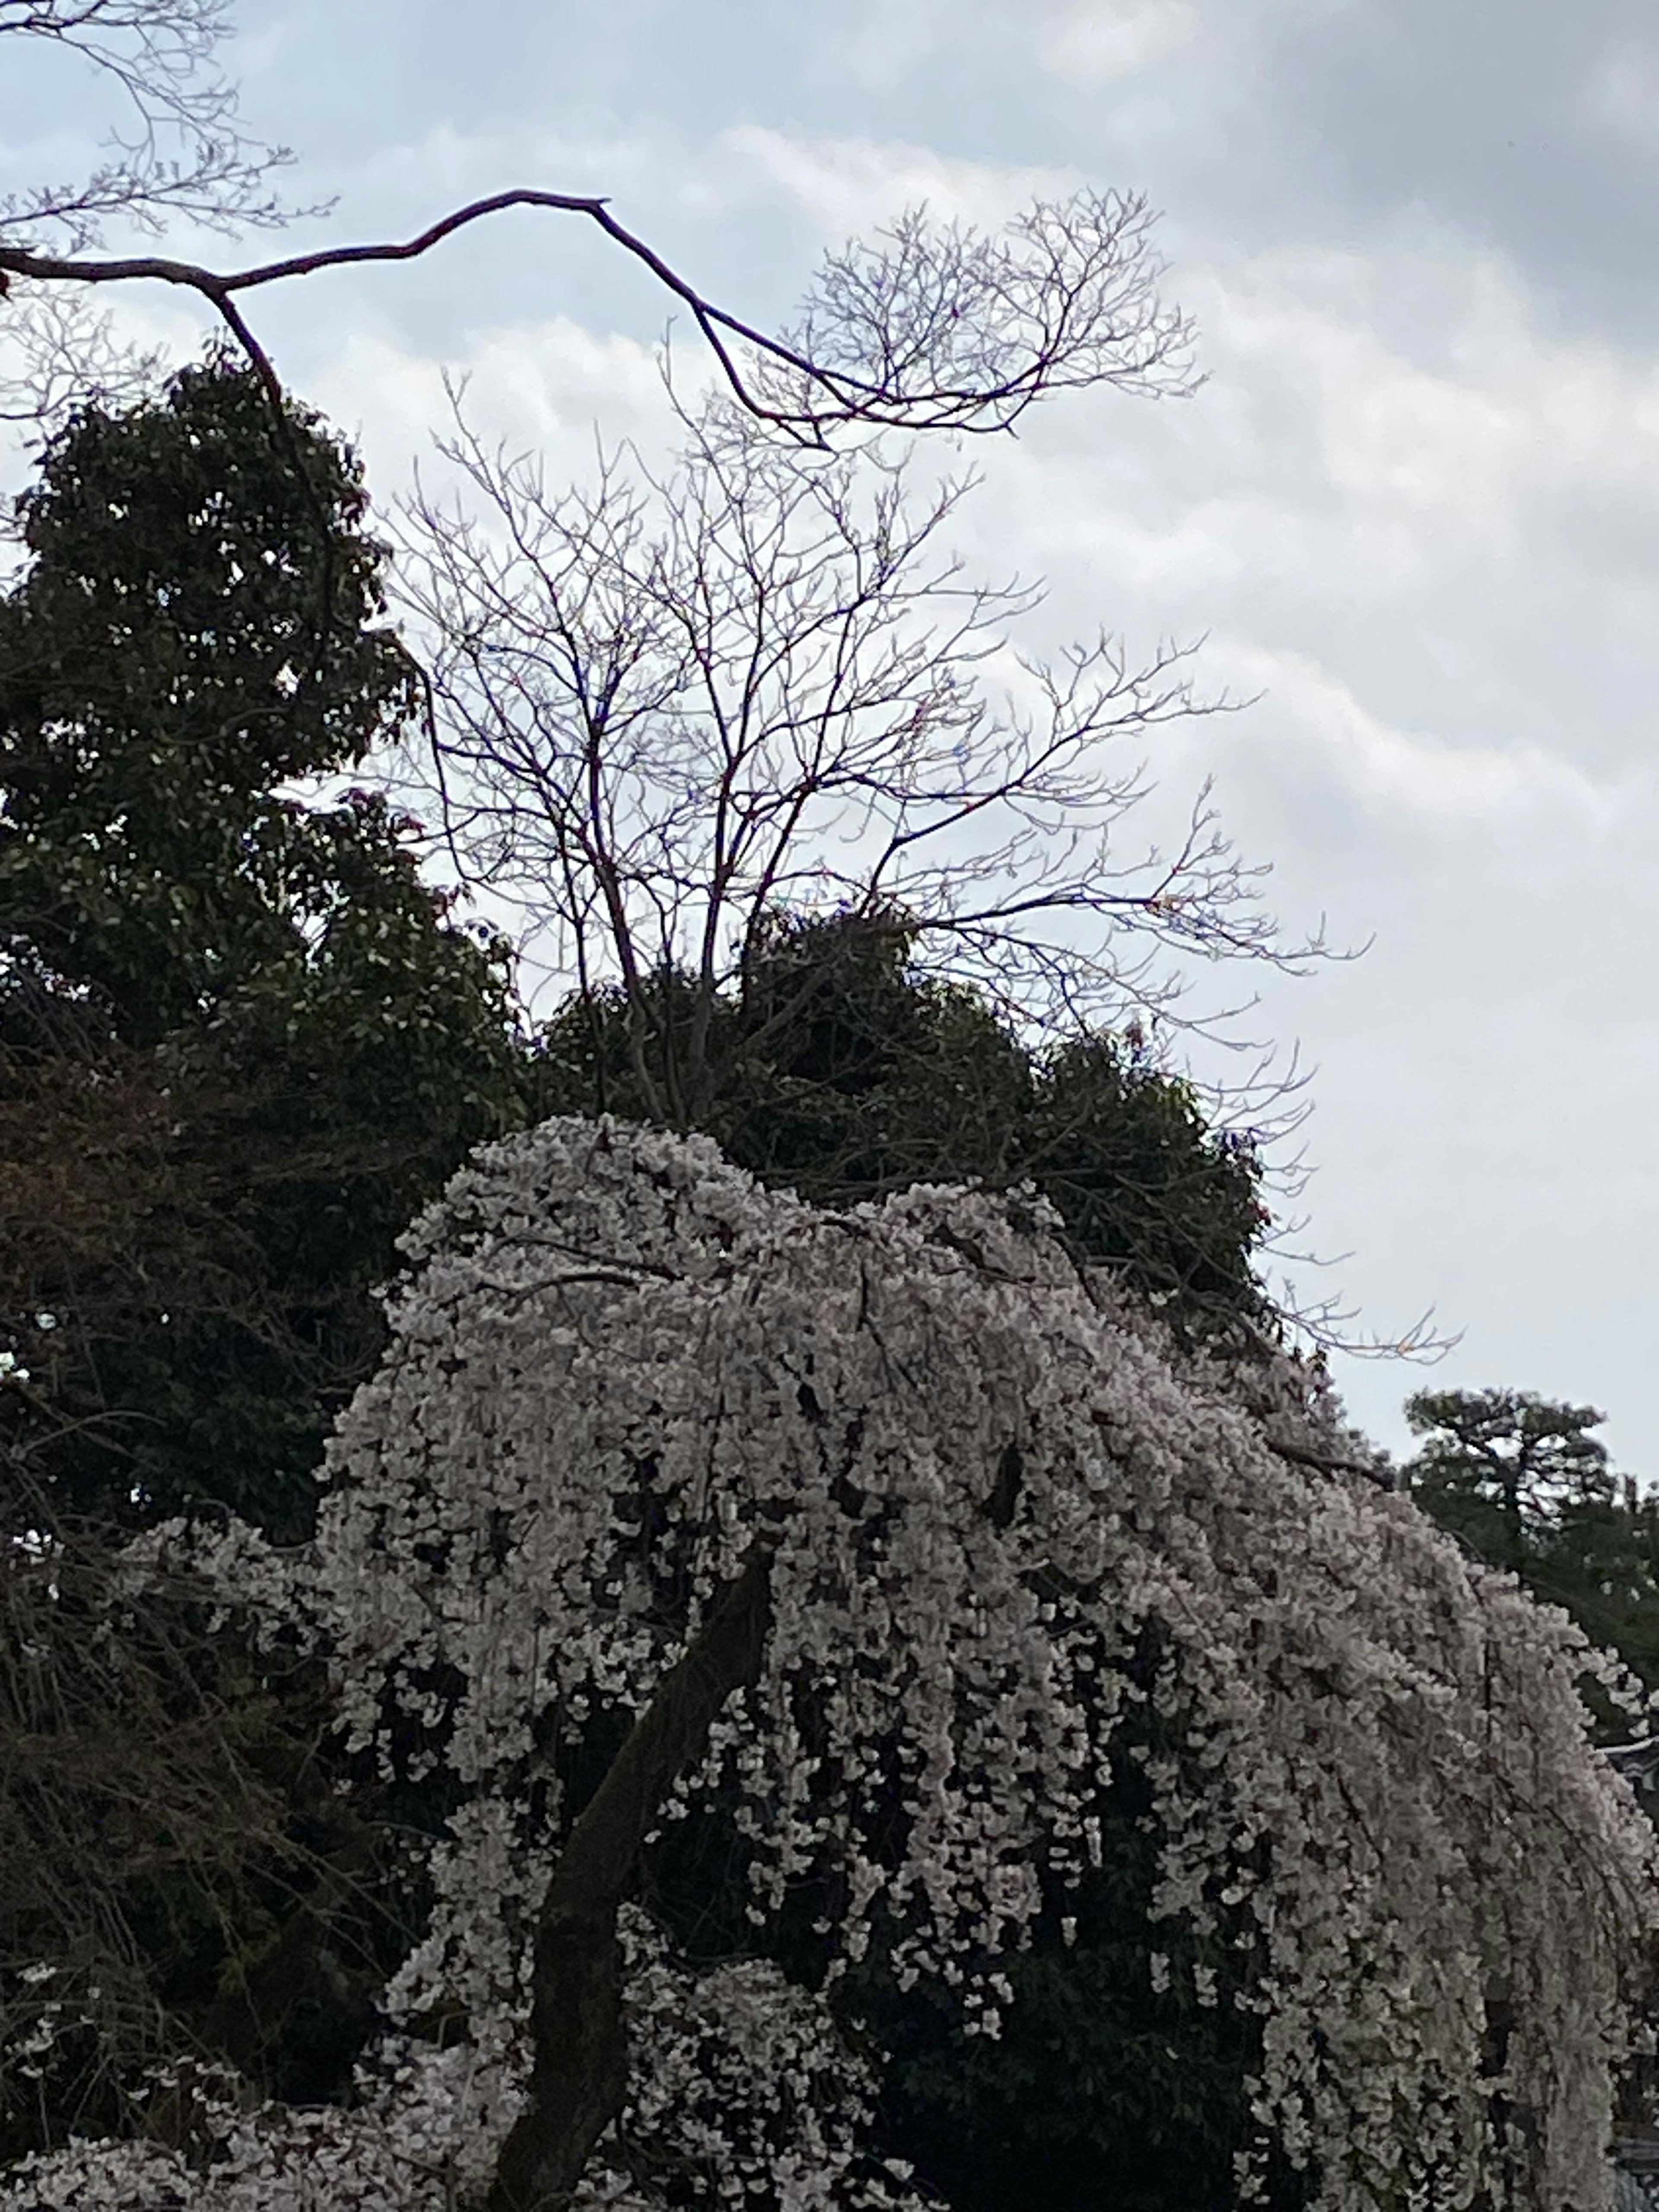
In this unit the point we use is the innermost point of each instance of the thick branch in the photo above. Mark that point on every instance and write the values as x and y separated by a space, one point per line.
1329 1463
578 2073
1101 309
850 394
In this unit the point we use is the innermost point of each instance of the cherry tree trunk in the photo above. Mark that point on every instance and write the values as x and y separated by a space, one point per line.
578 2073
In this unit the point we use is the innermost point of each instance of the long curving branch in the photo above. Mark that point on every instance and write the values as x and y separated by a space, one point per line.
1069 311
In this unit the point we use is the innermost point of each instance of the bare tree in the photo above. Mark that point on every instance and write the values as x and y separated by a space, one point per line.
185 152
667 708
166 1791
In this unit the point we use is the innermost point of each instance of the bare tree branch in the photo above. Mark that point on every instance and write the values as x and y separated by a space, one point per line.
183 152
664 709
70 356
930 329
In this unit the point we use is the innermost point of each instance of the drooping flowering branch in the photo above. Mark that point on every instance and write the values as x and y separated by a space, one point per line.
578 2066
934 1491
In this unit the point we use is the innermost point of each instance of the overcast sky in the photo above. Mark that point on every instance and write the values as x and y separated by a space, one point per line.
1415 506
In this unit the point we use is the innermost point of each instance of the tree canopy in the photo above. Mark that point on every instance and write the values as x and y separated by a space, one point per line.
898 1525
241 1044
240 1041
1521 1479
845 1074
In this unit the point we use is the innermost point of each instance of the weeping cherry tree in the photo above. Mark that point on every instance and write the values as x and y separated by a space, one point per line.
889 1524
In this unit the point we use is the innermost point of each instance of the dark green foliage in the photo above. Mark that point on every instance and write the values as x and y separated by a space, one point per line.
198 623
240 1043
1098 2095
1522 1482
1140 1180
1499 1465
1603 1565
245 1020
838 1071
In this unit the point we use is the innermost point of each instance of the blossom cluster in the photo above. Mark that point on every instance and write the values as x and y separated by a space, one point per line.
980 1480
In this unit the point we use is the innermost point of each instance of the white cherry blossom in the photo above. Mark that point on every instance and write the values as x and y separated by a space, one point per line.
968 1480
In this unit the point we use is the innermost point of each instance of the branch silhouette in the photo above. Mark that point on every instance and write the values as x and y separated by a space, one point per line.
939 328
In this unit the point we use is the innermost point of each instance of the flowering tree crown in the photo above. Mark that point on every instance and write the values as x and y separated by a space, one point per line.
934 1495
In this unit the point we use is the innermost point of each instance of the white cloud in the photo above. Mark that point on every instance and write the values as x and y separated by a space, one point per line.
850 185
1106 38
543 389
1619 91
835 185
1453 514
1344 498
1088 41
1315 718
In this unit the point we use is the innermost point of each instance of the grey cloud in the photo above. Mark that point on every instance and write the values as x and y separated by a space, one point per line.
1531 131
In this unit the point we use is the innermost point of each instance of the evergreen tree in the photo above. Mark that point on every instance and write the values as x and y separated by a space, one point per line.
240 1042
846 1076
1497 1465
1523 1483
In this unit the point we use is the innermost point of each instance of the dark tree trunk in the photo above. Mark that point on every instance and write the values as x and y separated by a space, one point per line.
579 2072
